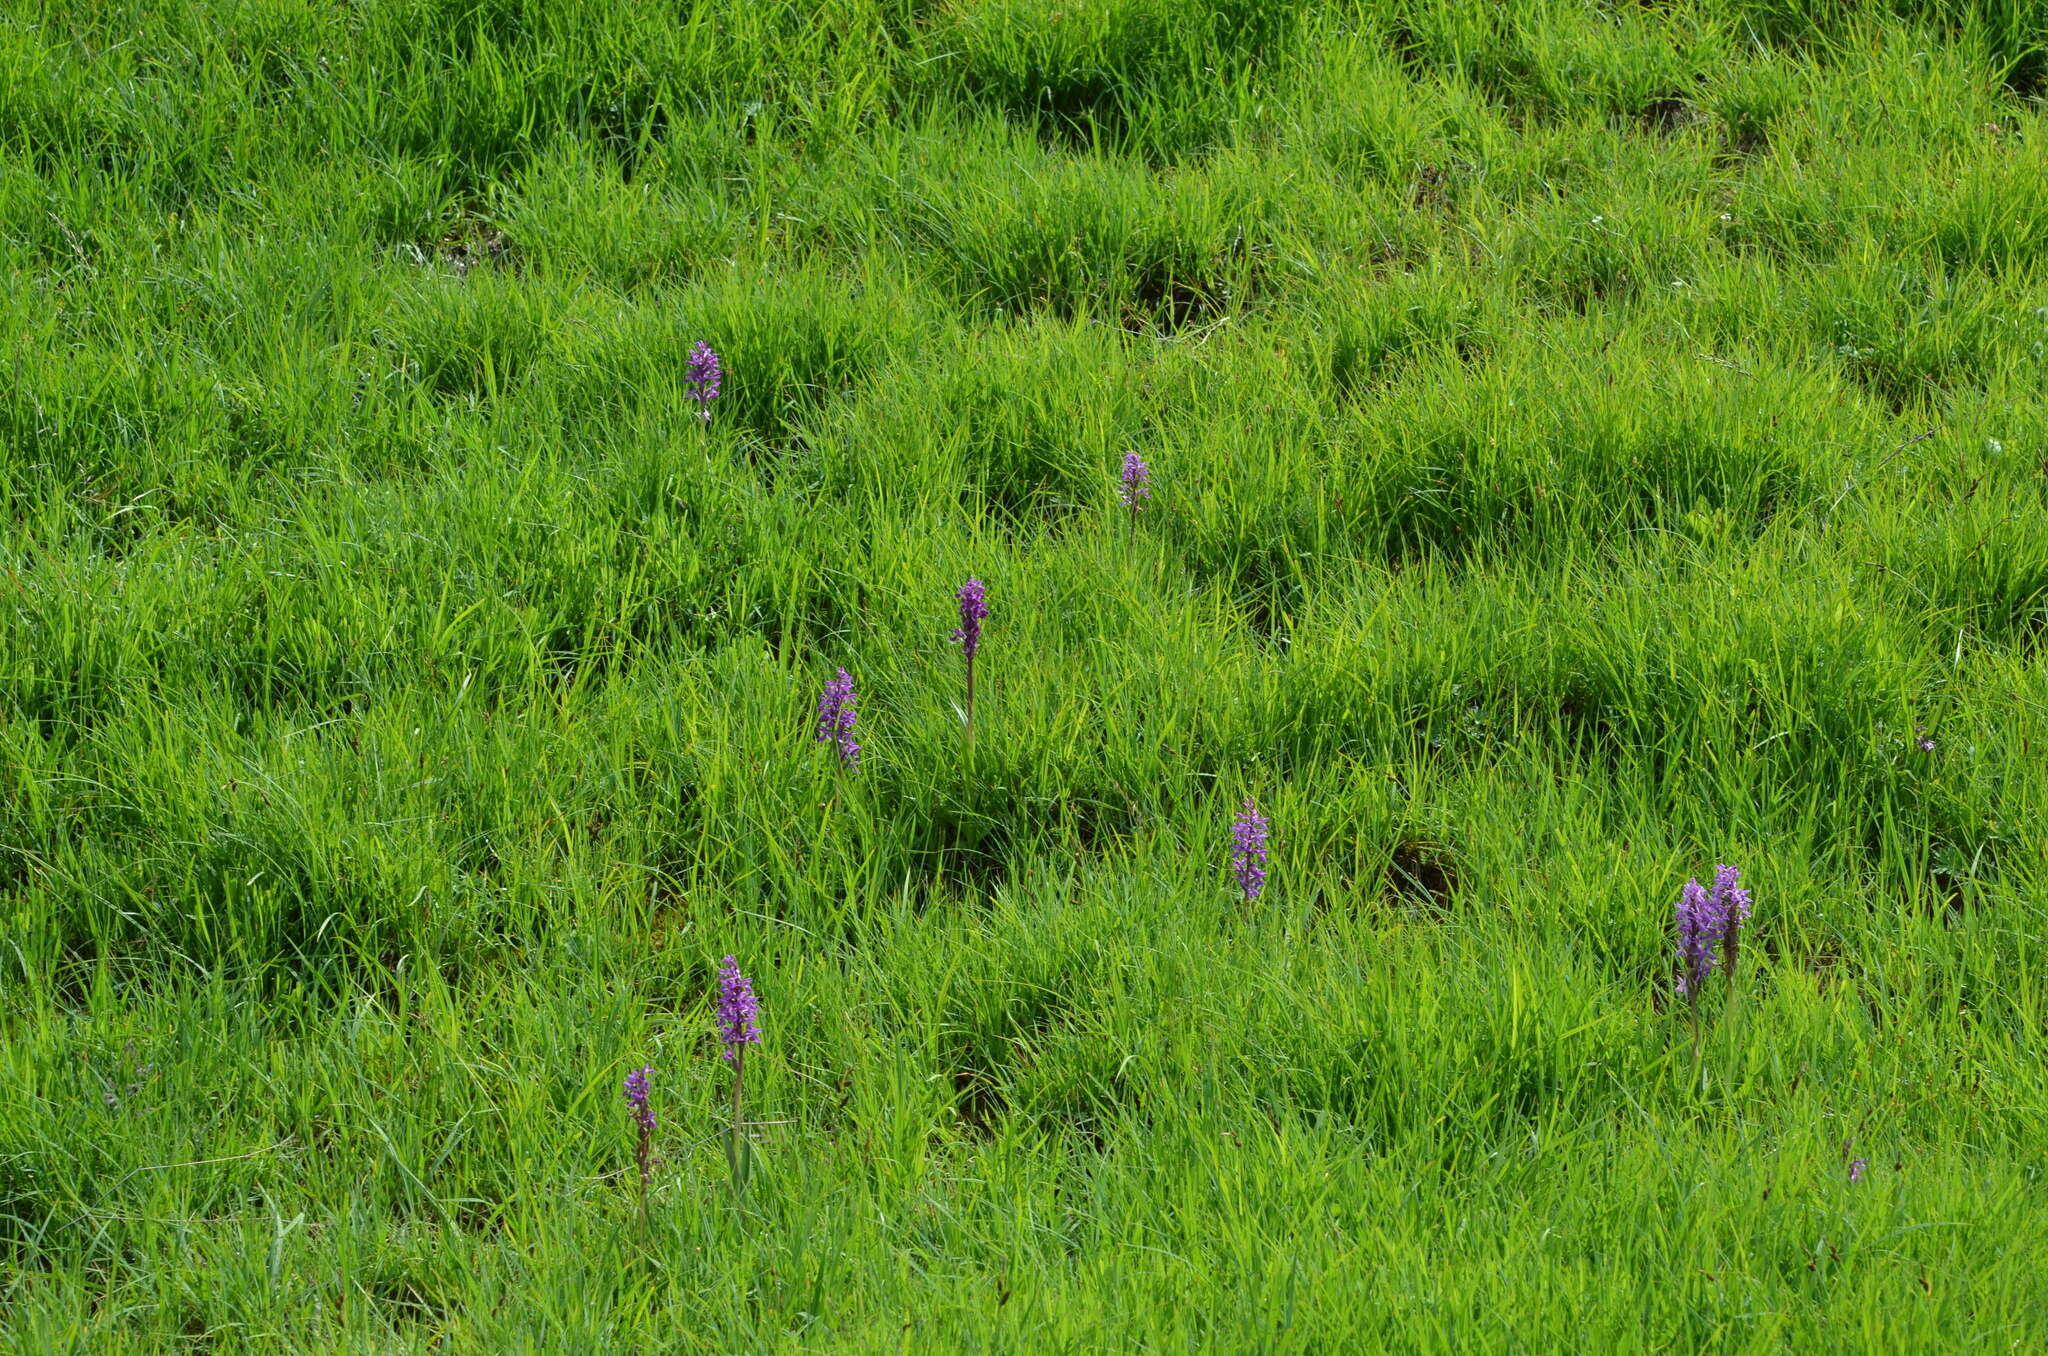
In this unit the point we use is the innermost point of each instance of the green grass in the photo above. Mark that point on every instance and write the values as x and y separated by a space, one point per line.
1590 441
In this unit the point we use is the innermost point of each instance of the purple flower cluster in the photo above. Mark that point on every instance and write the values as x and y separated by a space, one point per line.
737 1009
643 1118
836 716
1136 473
1709 927
636 1098
1856 1168
973 611
1696 939
1249 833
702 375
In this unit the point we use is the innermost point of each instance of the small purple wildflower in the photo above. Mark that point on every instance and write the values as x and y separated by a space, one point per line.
737 1009
1695 938
836 716
1249 833
1732 903
1710 926
1856 1170
643 1117
973 611
1923 739
636 1097
1136 474
702 376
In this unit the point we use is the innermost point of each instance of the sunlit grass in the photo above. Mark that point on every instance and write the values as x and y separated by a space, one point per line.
1583 443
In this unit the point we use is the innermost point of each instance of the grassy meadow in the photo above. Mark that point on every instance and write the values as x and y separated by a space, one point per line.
1588 442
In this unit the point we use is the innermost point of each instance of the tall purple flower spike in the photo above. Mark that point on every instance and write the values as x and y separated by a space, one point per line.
1696 938
702 376
973 611
1710 924
643 1117
1249 833
636 1097
737 1009
836 717
1136 474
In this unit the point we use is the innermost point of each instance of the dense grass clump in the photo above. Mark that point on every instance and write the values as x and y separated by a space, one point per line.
1241 557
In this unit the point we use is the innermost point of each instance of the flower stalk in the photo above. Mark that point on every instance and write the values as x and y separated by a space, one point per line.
702 376
737 1029
1136 489
836 713
1250 833
1710 923
973 596
643 1149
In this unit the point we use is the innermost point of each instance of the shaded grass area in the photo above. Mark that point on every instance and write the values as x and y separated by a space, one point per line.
1588 442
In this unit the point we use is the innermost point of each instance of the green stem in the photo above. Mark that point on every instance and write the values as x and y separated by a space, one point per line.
736 1151
970 707
1692 1009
